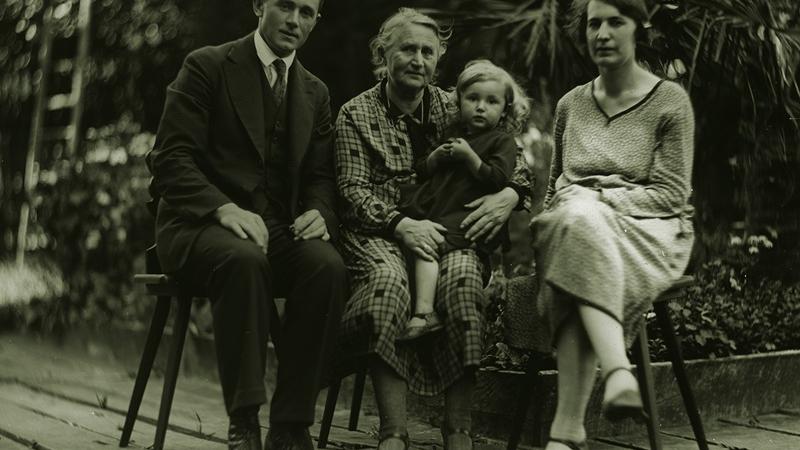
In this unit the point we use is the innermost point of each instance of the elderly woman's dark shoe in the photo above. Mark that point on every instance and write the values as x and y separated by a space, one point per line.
397 435
627 404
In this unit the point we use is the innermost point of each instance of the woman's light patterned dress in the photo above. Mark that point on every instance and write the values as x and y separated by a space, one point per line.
621 250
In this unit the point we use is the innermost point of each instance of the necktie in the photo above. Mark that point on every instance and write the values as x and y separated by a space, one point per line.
279 86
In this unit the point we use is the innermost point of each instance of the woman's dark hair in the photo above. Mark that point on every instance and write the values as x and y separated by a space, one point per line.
634 9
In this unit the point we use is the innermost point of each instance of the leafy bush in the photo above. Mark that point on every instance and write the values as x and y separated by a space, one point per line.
32 281
90 220
27 289
734 308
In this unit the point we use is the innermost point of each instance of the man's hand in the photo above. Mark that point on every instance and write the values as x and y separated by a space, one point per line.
491 212
243 223
422 237
310 225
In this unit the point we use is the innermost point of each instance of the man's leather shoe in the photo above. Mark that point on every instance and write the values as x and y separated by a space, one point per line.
244 433
288 437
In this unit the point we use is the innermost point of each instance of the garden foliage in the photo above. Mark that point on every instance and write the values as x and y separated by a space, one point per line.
735 308
92 224
738 58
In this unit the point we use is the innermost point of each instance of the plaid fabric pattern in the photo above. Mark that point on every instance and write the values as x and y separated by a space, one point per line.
380 305
373 158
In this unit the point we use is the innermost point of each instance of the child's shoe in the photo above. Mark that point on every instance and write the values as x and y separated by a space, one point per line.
420 325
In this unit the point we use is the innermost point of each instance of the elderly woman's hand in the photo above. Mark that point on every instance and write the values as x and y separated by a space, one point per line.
422 237
491 212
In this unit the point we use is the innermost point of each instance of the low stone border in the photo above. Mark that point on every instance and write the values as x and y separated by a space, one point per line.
737 386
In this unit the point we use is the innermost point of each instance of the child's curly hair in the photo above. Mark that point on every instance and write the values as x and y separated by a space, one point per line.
518 105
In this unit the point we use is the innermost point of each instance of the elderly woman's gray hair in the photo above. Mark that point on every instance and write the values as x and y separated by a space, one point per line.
386 35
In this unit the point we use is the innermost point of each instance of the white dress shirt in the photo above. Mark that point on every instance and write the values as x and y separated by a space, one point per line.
267 57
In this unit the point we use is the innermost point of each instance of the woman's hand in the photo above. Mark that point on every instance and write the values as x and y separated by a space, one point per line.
422 237
491 212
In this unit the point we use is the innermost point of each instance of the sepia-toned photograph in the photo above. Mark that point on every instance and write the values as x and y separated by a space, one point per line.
395 225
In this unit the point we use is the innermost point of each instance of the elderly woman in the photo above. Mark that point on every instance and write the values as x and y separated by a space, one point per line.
616 230
380 137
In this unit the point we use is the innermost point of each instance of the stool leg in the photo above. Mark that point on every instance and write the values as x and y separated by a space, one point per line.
173 366
358 394
529 384
160 315
679 369
327 416
647 387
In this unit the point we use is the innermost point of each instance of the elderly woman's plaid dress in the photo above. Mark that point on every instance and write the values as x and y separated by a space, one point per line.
374 155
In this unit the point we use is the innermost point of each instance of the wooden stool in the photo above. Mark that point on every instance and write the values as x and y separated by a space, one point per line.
537 362
641 356
330 406
164 287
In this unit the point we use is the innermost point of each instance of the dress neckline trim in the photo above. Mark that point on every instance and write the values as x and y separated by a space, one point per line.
627 110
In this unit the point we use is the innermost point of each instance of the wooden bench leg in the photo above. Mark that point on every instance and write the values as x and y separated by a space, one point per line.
327 415
647 386
530 383
173 366
157 324
358 394
679 369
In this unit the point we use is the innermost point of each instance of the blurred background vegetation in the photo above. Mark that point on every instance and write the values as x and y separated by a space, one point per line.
737 58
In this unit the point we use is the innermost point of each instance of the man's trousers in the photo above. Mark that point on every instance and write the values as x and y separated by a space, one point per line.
242 283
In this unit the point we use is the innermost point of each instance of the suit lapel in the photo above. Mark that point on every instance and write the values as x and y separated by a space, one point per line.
244 87
301 116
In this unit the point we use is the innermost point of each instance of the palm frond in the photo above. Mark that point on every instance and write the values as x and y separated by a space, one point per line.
537 33
739 59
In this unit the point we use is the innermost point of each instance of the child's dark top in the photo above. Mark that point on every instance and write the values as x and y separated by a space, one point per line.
440 196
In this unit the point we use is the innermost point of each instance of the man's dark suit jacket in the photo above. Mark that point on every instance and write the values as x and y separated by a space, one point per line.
210 146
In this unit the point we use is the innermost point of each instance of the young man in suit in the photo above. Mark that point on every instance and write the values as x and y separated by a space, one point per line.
243 179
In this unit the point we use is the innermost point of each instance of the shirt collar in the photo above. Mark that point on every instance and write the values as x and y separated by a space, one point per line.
267 56
421 115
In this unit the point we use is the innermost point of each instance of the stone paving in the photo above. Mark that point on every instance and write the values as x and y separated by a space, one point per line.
64 398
